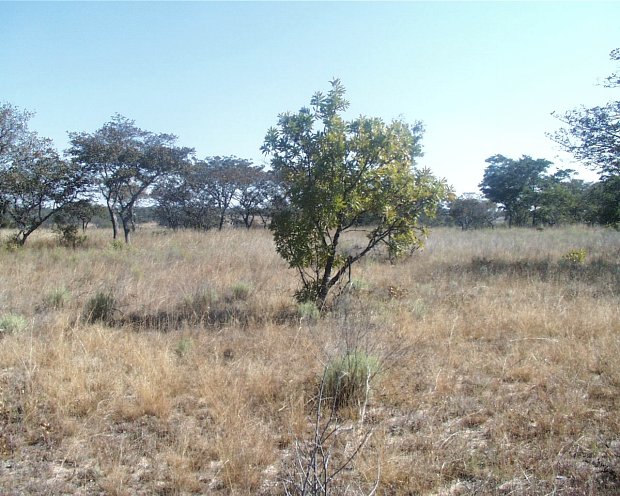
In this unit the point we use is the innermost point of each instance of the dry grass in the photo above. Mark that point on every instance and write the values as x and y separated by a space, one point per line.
499 370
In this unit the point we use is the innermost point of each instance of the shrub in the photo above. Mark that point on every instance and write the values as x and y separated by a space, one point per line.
358 285
57 298
100 308
183 347
240 291
69 235
576 257
308 311
10 323
346 380
117 244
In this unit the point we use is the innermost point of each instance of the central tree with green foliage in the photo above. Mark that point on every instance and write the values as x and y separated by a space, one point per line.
337 175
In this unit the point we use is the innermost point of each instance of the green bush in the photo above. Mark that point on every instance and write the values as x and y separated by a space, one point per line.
57 298
308 311
358 285
240 291
100 308
346 380
183 347
117 244
10 323
69 235
576 257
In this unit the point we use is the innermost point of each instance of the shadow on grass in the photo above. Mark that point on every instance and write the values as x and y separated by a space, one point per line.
597 271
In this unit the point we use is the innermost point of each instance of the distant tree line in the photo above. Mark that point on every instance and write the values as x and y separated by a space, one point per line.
523 192
208 193
122 168
520 193
529 195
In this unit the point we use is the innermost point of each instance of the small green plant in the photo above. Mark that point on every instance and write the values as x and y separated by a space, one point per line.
308 311
576 257
240 291
57 298
117 244
11 323
183 347
347 379
358 285
100 308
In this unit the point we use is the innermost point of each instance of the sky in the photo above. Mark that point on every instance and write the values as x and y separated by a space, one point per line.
483 77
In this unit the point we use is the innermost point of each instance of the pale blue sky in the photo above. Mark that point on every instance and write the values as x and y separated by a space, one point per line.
483 77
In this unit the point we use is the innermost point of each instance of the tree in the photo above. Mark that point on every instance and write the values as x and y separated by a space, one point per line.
125 162
79 213
514 184
335 173
224 176
14 131
592 135
36 186
175 203
603 202
562 201
203 194
35 183
256 187
471 212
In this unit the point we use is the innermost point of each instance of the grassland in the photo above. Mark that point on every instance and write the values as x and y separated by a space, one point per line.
499 367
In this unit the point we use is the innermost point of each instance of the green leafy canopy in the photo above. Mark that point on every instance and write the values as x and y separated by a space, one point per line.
337 175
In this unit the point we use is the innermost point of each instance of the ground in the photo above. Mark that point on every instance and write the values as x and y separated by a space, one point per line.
497 350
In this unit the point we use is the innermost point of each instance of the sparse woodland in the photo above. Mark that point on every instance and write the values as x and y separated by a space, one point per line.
339 352
182 365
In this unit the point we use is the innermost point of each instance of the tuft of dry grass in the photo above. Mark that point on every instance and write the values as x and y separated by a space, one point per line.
498 366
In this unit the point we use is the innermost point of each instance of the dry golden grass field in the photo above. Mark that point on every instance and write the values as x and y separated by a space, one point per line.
182 365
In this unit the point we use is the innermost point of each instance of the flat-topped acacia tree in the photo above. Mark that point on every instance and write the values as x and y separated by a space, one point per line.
35 183
125 162
336 175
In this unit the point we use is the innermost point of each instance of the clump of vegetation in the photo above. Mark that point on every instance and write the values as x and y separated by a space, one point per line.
101 308
57 298
308 311
11 323
576 257
200 305
183 347
358 285
11 243
69 235
117 244
346 381
240 291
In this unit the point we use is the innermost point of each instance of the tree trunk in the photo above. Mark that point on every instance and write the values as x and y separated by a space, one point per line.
20 239
114 221
126 220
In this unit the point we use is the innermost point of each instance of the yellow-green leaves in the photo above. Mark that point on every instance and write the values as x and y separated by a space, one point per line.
341 175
